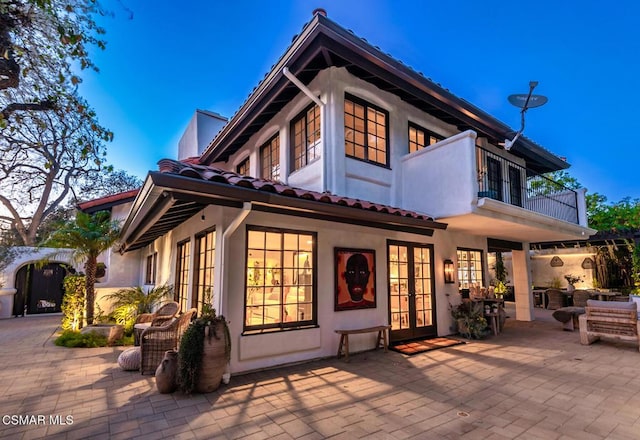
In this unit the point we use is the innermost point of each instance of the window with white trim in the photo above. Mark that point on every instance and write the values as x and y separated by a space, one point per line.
205 255
280 290
305 137
366 131
182 274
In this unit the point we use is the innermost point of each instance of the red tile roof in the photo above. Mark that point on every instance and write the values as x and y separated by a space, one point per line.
109 201
213 174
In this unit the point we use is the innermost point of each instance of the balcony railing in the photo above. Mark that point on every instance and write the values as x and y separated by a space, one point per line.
506 181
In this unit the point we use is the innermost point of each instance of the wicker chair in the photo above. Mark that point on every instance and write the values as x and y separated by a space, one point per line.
580 297
162 315
154 341
555 299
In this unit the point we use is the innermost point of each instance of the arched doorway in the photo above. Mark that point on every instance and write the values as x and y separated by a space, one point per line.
39 289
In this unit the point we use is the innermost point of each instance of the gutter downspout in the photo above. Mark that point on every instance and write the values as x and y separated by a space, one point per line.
246 209
323 116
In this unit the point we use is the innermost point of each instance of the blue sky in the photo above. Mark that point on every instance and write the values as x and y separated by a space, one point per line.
172 58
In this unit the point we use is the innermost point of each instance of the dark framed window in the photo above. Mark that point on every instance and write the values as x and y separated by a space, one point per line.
305 136
515 186
270 159
151 268
280 283
366 131
470 268
243 167
494 178
205 255
420 138
182 274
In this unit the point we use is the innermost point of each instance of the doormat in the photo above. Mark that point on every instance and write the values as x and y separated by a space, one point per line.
414 347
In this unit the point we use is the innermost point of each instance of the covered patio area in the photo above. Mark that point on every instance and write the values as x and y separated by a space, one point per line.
533 381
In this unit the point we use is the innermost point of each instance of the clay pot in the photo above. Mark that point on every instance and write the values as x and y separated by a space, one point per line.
166 372
214 361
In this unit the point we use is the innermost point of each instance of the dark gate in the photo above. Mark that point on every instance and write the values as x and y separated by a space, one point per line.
39 288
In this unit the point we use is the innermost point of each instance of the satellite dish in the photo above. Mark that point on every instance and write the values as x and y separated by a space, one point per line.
524 102
520 100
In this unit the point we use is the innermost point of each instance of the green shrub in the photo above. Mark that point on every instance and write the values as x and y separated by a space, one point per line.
73 302
70 338
131 302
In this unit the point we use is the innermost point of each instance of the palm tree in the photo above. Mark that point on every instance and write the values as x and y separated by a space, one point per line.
88 235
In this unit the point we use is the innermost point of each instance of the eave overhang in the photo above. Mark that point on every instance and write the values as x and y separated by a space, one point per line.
167 200
323 44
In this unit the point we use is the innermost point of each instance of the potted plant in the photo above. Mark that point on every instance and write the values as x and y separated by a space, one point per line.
499 288
205 350
130 302
101 270
470 319
572 280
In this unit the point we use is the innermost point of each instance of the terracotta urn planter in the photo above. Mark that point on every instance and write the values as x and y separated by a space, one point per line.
214 360
166 372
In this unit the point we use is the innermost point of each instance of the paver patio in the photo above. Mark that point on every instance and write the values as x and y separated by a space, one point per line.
533 381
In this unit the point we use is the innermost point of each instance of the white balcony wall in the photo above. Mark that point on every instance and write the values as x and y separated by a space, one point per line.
441 180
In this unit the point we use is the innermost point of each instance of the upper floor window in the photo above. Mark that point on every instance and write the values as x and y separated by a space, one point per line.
420 138
365 131
280 284
152 262
270 158
205 255
243 167
305 137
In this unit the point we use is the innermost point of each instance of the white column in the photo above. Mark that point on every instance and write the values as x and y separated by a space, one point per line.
582 206
522 284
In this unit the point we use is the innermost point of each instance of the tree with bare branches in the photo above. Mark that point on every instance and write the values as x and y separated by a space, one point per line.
52 145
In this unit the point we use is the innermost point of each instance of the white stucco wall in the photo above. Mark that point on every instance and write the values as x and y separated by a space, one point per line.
542 274
254 351
200 131
441 180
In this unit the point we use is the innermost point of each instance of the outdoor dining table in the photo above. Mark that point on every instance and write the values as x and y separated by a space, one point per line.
606 296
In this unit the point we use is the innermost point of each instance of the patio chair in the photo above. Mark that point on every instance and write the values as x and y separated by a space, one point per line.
555 299
580 297
163 315
154 341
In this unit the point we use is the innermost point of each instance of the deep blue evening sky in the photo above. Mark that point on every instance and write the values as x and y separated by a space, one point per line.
174 57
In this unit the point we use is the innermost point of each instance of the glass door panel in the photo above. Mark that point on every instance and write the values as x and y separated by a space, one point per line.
411 291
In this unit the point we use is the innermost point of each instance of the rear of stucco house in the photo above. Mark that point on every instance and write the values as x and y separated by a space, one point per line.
340 150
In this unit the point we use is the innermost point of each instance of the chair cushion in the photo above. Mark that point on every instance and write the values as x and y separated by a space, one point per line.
129 360
612 304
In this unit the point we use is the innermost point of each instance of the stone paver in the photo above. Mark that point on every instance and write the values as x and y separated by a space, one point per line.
533 381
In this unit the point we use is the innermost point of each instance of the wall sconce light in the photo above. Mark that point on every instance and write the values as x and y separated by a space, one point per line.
448 271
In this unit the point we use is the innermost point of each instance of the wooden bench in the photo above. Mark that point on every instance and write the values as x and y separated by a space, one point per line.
609 319
343 348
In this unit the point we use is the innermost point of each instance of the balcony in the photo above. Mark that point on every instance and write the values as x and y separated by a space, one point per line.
506 181
489 192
